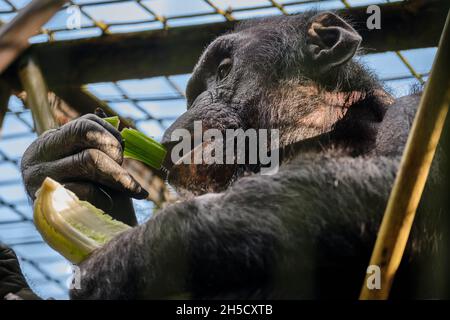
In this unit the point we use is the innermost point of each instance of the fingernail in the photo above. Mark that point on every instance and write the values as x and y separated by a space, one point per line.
100 113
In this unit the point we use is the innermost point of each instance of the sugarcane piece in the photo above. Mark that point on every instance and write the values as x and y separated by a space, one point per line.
72 227
114 121
140 147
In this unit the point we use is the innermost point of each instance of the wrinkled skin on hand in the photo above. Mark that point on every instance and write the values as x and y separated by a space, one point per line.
86 156
12 282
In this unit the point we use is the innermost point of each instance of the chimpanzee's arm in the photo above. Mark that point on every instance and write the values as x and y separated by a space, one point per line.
266 232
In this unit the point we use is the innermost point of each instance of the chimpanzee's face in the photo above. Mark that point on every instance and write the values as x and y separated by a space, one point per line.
225 88
264 75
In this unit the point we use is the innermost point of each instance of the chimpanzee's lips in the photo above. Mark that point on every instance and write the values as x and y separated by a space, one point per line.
198 178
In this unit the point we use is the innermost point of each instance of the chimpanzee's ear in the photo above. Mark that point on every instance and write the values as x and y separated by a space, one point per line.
330 41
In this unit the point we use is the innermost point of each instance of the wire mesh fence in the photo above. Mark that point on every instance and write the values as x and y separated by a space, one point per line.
152 103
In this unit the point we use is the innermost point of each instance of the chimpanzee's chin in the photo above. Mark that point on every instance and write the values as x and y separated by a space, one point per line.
199 179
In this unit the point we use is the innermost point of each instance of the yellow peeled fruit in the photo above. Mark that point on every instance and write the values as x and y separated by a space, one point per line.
72 227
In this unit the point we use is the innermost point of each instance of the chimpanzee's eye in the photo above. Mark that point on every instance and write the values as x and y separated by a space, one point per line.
223 69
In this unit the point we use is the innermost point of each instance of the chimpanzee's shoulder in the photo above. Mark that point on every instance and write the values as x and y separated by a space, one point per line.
394 129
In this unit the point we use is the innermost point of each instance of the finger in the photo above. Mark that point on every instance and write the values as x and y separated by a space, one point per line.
95 134
74 137
100 113
6 252
95 166
68 140
11 278
106 125
9 266
4 248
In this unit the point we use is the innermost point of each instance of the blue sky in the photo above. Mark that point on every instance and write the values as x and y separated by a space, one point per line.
46 270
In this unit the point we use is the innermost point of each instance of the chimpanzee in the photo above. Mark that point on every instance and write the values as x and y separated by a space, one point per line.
306 231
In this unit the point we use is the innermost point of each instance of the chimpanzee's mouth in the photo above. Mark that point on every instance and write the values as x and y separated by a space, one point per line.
214 163
196 170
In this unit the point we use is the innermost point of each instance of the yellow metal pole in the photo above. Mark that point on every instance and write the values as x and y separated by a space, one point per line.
413 172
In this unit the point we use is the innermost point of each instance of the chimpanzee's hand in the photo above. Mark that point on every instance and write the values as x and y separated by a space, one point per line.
12 282
86 155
